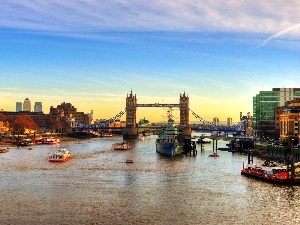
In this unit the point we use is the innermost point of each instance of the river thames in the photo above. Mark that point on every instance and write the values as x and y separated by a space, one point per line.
97 187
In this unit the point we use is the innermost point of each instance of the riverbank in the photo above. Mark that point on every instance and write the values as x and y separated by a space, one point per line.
275 153
12 142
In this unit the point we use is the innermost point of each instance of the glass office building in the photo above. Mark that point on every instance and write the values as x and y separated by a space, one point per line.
264 104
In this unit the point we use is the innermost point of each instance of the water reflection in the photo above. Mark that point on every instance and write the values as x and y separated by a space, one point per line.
97 186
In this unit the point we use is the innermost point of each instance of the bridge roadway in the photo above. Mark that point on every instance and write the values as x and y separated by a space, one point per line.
158 105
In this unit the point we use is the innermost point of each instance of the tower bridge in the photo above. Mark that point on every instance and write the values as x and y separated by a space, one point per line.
131 129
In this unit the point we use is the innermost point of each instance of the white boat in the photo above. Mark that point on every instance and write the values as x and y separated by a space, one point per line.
61 155
141 137
121 146
106 135
4 150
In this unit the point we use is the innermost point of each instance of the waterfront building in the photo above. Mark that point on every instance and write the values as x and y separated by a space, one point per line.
289 123
66 115
19 106
38 107
247 123
264 105
41 119
287 119
216 121
27 105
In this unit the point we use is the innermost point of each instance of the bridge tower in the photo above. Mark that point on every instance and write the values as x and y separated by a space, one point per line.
184 102
131 130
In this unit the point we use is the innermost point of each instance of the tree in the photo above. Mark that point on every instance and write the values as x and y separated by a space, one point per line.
23 122
2 118
57 124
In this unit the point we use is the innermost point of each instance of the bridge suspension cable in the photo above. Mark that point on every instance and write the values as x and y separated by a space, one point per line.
202 120
118 116
237 126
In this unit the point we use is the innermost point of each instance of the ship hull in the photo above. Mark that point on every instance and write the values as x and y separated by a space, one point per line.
60 160
169 148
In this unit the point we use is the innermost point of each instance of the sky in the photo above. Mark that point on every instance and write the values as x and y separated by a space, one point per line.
93 53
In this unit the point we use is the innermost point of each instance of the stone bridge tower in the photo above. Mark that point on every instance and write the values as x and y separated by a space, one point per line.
131 130
184 125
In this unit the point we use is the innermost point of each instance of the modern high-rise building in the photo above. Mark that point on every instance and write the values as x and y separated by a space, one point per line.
216 121
19 106
229 122
27 105
264 105
38 107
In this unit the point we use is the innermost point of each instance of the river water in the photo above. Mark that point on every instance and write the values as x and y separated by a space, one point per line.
97 186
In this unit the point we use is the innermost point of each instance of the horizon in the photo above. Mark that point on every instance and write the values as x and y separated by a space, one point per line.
163 117
92 54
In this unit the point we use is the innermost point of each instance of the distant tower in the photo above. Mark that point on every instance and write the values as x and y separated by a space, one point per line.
19 106
216 121
38 107
229 121
27 105
91 117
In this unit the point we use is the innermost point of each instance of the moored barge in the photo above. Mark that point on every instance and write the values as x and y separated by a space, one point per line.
272 173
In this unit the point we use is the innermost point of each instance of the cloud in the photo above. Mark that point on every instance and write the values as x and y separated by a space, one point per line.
278 34
143 15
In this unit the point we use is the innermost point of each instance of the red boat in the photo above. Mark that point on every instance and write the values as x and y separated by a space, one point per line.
214 155
51 141
269 172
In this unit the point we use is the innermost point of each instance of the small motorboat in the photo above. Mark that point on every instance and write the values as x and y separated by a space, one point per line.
214 155
121 146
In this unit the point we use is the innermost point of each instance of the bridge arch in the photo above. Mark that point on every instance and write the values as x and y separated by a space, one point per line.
131 129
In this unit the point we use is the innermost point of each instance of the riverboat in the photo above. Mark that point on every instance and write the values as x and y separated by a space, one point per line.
25 142
272 173
169 142
4 150
121 146
51 141
61 155
201 141
106 135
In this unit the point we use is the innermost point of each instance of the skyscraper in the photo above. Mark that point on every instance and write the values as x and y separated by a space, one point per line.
216 121
229 121
38 107
27 105
19 106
